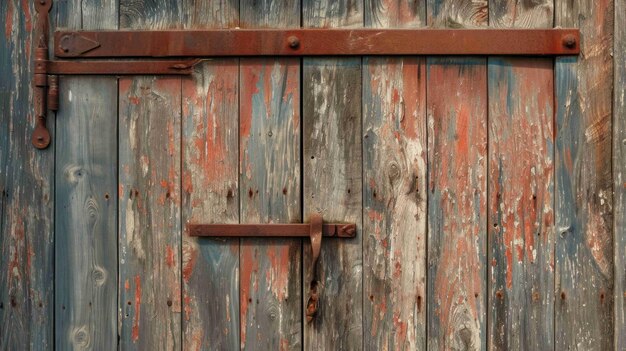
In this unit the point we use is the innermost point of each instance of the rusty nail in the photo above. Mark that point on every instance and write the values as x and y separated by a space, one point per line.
569 41
293 41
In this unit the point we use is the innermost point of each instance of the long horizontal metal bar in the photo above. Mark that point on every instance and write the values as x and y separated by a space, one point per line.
316 42
122 67
342 230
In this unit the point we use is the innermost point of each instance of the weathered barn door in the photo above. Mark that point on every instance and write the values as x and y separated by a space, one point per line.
482 188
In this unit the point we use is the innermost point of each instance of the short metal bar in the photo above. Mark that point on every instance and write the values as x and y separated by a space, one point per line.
157 67
342 230
316 42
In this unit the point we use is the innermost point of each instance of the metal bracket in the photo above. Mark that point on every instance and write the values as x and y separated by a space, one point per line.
187 48
315 230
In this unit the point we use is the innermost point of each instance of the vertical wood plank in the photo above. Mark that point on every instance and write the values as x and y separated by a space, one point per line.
269 123
211 195
149 213
332 161
86 198
26 188
521 188
619 173
457 153
150 194
584 201
521 197
394 191
210 139
457 198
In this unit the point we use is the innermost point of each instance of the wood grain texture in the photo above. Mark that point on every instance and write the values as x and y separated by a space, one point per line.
521 13
210 188
521 198
457 14
150 255
86 216
457 203
27 193
619 173
149 213
332 161
457 161
270 302
86 198
211 195
584 181
269 164
394 203
521 188
394 192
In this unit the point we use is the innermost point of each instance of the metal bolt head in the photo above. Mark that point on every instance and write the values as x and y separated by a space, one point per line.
569 41
294 42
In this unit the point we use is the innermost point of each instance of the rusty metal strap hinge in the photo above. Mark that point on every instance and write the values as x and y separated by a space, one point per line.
315 230
176 52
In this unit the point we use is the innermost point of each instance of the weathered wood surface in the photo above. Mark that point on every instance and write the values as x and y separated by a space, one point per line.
332 161
210 189
584 182
521 197
26 193
521 189
149 215
86 199
619 173
150 240
457 203
457 198
210 267
269 134
394 191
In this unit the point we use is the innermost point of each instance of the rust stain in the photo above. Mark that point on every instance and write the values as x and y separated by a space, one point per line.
8 22
28 24
190 255
169 256
278 274
135 331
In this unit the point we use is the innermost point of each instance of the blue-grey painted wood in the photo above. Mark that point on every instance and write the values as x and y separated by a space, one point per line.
26 187
521 188
210 189
270 183
150 232
86 198
584 181
333 184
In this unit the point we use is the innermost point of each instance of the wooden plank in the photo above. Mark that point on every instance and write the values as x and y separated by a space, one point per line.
394 194
332 161
149 215
584 182
521 188
521 198
26 182
457 161
269 133
86 199
150 240
619 173
26 187
210 139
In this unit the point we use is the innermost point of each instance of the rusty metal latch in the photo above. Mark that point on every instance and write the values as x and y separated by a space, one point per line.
315 230
139 48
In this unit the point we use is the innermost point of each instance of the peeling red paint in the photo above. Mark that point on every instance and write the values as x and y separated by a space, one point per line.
169 256
190 255
8 22
135 331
